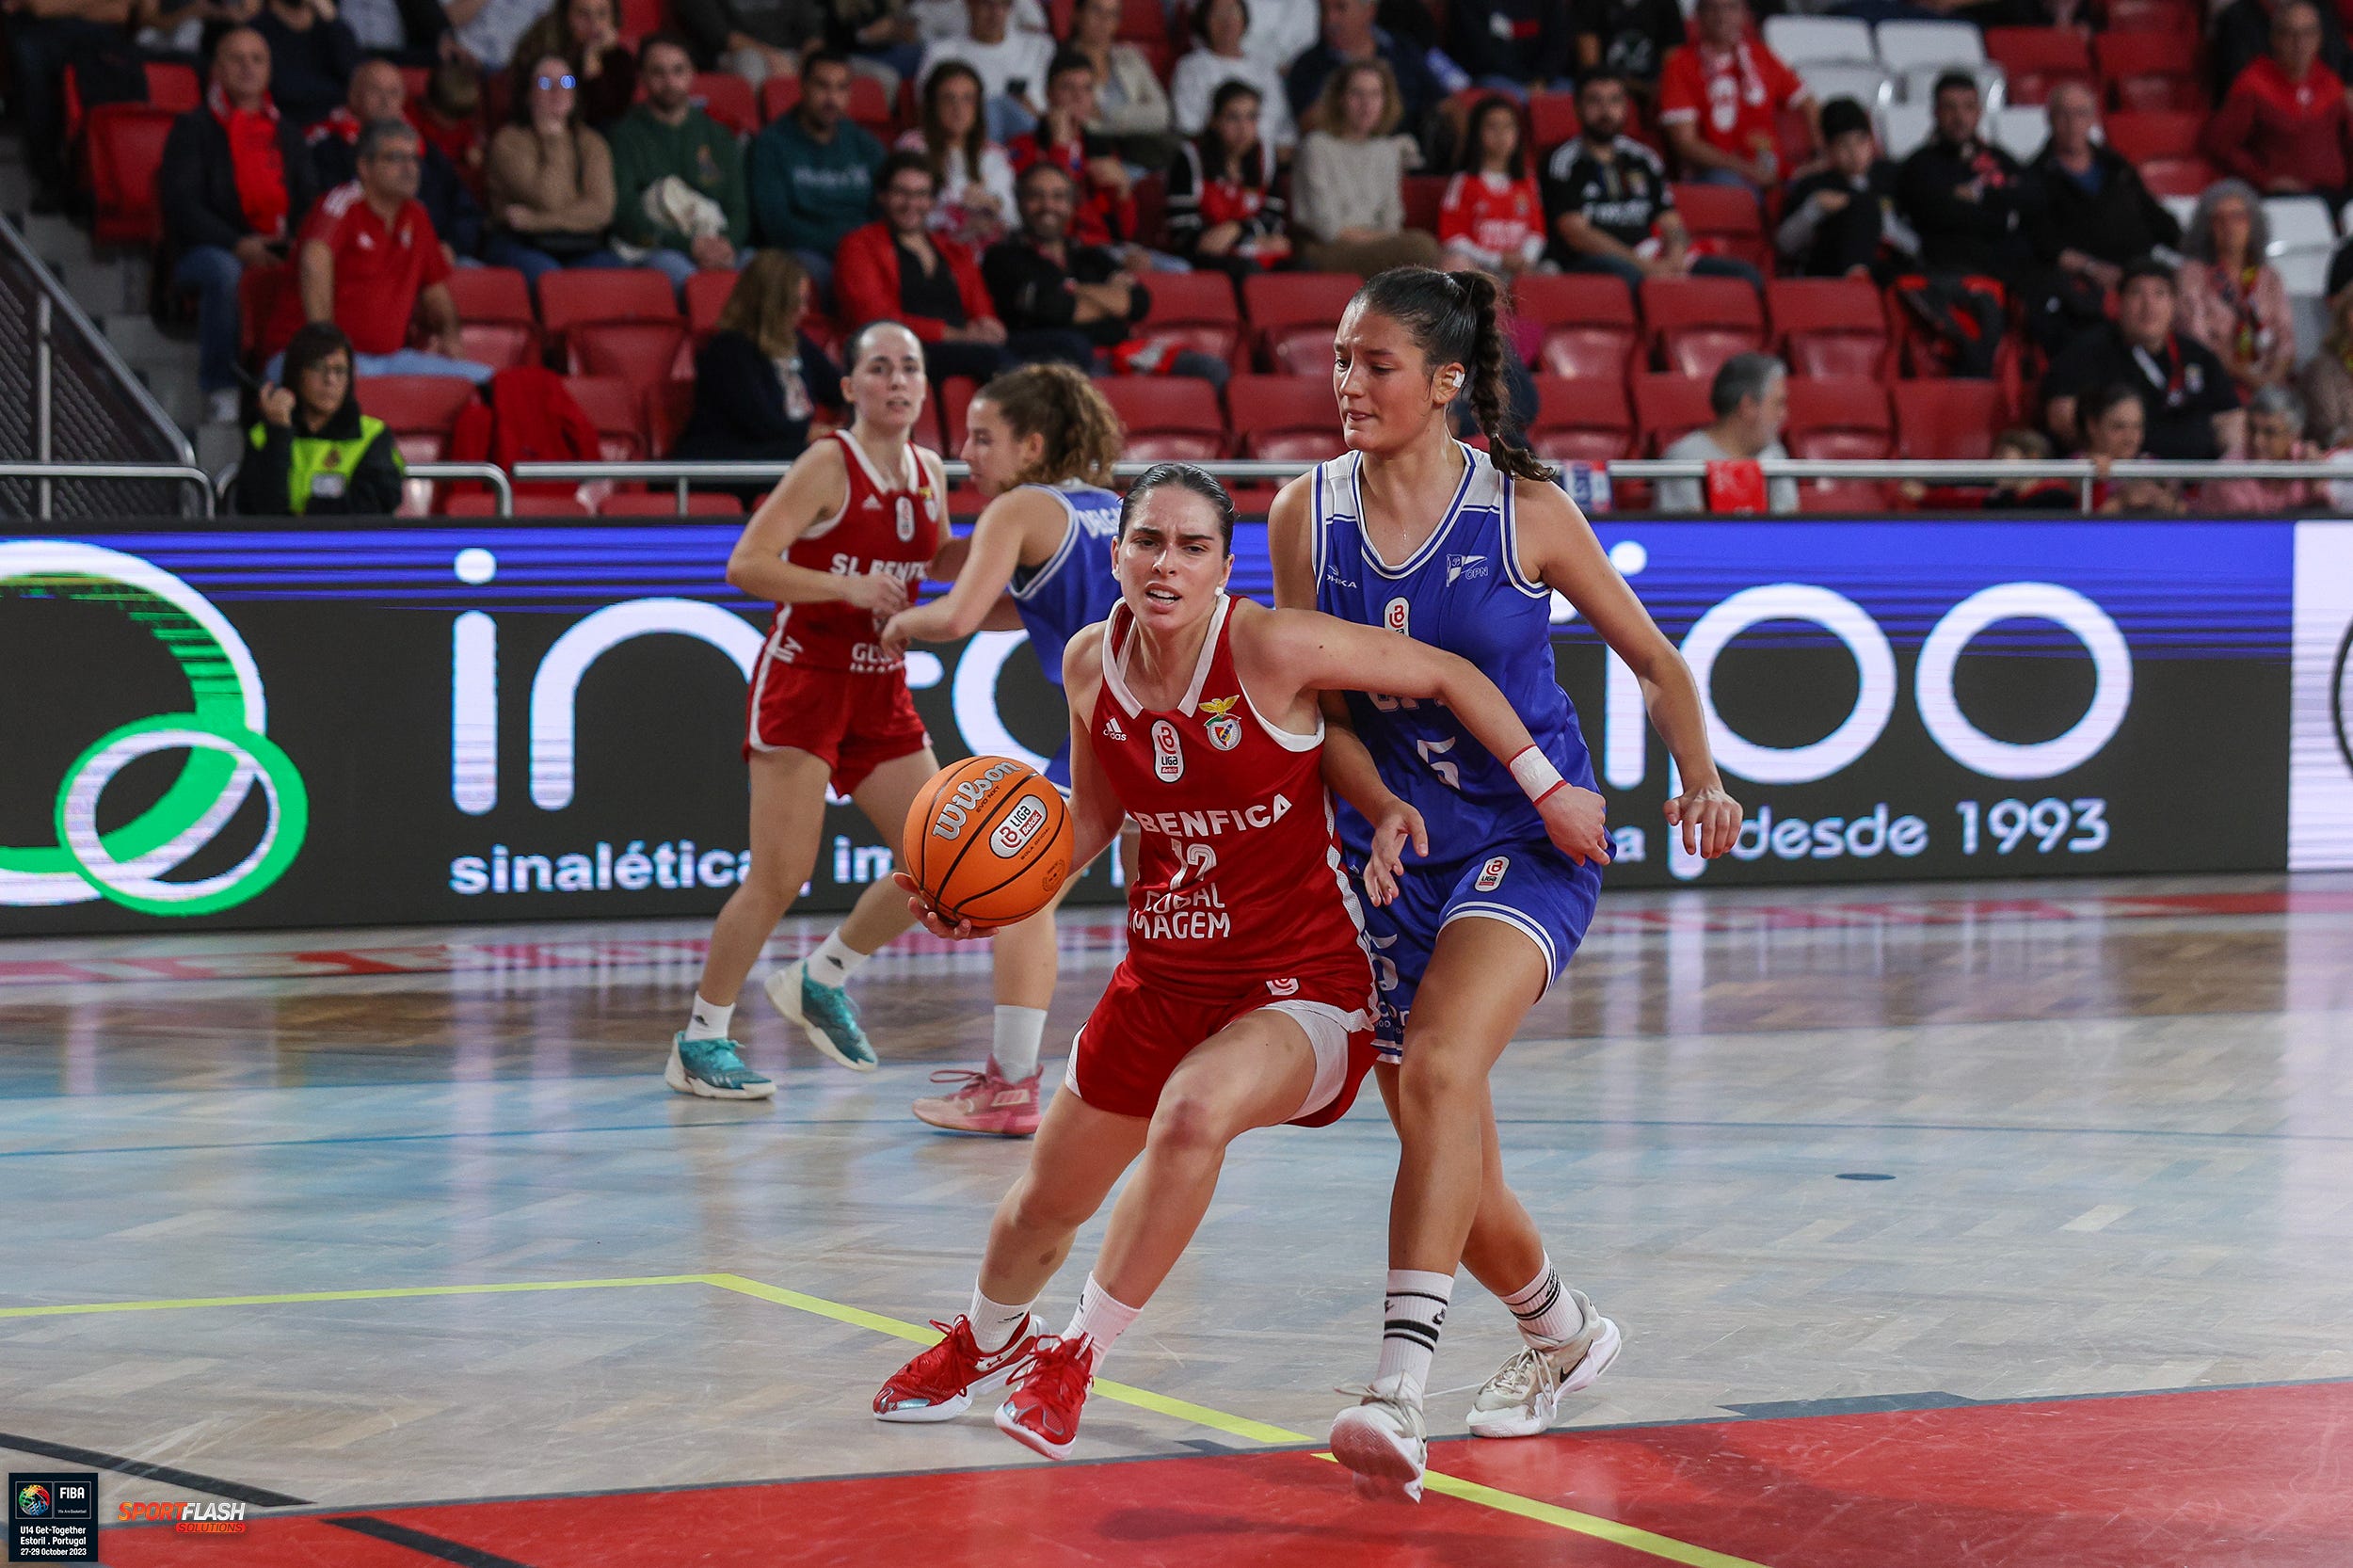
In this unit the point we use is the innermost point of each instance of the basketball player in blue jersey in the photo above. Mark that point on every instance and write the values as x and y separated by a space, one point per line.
1415 531
1041 441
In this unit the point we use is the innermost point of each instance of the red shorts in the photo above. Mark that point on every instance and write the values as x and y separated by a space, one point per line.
1139 1031
857 723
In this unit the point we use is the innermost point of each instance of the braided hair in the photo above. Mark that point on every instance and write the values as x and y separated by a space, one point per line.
1456 318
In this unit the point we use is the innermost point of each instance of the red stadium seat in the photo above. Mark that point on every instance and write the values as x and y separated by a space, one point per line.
1829 326
1696 324
525 506
1284 417
1839 416
668 405
2036 59
639 352
497 326
2161 133
1424 195
635 19
1589 321
1667 408
2154 16
418 409
1167 417
261 293
1582 420
663 503
956 395
2188 176
171 87
126 149
870 105
1946 419
1294 314
619 321
1551 120
706 296
1198 310
617 409
727 99
1727 218
2147 71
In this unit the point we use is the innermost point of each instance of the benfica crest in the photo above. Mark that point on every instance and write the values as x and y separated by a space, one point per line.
1224 728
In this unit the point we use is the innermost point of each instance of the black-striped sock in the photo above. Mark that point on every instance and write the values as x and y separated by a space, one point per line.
1548 1314
1411 1312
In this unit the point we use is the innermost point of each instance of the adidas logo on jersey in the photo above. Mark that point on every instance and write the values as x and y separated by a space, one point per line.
1111 730
870 505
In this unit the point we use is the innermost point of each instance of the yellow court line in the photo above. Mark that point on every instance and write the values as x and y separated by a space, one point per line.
517 1287
1590 1525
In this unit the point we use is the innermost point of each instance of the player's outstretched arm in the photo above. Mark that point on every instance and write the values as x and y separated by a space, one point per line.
814 487
1558 549
1308 652
991 553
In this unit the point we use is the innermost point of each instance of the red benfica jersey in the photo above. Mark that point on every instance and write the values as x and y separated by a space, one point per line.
889 525
1240 870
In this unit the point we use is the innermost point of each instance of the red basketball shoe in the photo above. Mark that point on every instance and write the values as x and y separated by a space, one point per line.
1041 1411
938 1384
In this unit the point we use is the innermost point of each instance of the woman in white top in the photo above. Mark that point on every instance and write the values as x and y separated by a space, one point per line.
1129 98
1219 59
1348 189
974 176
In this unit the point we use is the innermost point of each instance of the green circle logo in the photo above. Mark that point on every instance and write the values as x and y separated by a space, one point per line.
228 755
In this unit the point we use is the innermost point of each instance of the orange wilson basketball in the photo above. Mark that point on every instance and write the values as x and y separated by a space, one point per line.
988 840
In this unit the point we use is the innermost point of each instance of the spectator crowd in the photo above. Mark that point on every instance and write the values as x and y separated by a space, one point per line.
1010 178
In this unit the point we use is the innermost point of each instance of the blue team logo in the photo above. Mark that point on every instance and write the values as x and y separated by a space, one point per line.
1464 568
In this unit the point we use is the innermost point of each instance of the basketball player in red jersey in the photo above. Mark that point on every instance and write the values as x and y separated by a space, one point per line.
1244 1000
836 546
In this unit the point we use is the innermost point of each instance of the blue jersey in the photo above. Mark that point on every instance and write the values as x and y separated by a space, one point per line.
1073 591
1463 592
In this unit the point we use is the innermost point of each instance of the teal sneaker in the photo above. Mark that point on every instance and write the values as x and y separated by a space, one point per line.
712 1069
825 1013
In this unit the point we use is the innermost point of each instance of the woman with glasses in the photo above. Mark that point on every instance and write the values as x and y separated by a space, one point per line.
585 34
314 453
549 181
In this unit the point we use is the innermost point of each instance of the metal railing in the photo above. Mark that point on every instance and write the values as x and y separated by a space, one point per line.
683 476
66 397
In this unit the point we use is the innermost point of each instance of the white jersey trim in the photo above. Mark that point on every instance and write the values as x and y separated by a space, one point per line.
1071 531
1512 542
1114 658
908 459
1472 458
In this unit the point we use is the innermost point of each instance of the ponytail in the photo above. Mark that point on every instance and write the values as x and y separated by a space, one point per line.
1457 318
1058 402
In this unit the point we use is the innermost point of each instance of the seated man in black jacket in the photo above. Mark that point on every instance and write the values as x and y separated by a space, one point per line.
1062 300
1966 199
2096 216
1843 220
377 92
2192 402
235 184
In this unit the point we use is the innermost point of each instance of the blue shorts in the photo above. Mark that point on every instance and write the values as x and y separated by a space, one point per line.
1531 887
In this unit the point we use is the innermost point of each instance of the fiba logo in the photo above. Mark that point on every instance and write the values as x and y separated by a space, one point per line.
229 758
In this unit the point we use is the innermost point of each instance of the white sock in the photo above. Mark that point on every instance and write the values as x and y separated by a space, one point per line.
1412 1313
835 961
1546 1315
708 1021
1020 1032
1101 1317
994 1323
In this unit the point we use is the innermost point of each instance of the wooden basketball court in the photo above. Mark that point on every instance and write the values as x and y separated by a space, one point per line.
2006 1225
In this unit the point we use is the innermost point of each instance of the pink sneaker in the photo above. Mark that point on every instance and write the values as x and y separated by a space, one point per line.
985 1103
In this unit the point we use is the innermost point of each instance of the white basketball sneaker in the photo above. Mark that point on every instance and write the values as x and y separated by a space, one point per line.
1381 1438
1524 1395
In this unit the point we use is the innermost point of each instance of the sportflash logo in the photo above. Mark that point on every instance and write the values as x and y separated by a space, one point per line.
228 756
204 1518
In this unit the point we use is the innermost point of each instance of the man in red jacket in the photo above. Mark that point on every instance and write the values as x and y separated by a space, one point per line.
2285 127
897 270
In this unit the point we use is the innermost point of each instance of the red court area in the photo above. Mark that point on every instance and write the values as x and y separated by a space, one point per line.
2254 1478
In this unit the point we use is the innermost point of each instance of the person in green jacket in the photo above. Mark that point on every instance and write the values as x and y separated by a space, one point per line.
812 175
664 137
315 454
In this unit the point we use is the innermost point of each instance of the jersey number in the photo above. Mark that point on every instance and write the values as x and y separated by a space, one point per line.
1449 775
1195 863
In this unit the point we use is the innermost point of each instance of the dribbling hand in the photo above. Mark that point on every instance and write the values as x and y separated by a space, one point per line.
960 932
1709 818
1576 821
1385 858
879 592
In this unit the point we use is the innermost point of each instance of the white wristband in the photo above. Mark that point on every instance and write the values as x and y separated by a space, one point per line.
1535 774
